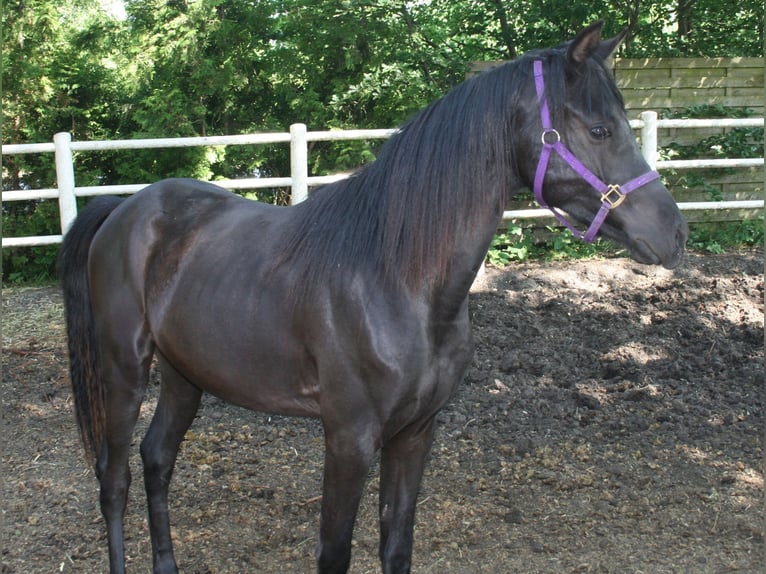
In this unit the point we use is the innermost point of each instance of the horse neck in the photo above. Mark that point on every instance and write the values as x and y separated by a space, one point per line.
467 253
421 217
446 189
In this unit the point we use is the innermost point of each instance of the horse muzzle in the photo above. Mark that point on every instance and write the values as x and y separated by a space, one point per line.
650 252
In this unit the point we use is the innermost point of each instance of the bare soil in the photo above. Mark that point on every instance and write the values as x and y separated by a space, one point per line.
612 421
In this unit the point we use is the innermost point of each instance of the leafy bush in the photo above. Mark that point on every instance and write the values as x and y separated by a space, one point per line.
519 243
553 244
30 264
717 237
735 143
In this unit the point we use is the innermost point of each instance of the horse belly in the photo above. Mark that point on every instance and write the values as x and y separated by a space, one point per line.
267 381
243 352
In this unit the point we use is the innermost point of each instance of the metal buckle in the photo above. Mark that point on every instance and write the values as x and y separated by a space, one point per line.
606 197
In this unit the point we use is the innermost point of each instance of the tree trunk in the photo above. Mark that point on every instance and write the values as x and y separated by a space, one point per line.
505 30
684 18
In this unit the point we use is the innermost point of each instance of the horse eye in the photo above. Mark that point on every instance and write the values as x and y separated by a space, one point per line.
600 132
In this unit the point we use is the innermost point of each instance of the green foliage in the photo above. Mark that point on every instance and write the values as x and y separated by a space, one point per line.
555 244
734 143
519 243
213 67
719 237
737 142
512 245
30 264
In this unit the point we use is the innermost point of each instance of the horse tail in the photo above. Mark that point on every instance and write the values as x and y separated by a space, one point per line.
84 364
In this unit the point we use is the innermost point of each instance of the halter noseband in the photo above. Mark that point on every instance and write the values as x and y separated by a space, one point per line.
612 195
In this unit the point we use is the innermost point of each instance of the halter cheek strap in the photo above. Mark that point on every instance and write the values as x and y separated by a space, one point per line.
612 195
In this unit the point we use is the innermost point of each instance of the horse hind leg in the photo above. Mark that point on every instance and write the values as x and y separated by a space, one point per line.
177 405
125 383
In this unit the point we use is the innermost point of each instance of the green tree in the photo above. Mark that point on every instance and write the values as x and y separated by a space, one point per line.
208 67
61 71
696 28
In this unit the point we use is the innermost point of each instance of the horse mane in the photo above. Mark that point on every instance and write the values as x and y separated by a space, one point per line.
399 215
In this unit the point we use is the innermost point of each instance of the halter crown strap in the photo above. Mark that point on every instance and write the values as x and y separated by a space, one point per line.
612 195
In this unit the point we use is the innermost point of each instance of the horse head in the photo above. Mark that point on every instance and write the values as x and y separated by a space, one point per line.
603 181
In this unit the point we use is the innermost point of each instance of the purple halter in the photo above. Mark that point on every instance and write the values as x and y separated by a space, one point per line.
612 195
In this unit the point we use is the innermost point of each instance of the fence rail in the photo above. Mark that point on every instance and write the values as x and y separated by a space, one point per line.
299 181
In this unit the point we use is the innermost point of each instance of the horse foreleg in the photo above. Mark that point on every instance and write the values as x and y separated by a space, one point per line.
348 457
176 408
401 471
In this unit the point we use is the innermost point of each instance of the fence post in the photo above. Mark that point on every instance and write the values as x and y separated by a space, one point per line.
299 171
65 180
649 138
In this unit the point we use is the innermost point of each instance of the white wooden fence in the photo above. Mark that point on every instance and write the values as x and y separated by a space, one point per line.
66 191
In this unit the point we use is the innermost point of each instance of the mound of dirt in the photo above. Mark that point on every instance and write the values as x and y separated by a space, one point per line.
612 421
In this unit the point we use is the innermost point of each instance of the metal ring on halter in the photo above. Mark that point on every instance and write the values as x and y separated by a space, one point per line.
556 134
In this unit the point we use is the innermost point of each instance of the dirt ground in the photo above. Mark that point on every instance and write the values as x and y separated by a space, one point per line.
612 421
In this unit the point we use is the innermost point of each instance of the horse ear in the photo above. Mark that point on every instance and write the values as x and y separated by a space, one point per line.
586 43
608 47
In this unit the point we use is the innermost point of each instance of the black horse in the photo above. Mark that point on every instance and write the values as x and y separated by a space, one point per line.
350 307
